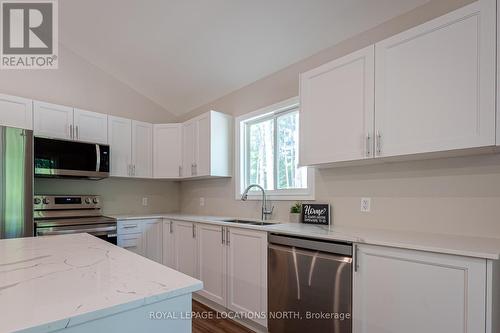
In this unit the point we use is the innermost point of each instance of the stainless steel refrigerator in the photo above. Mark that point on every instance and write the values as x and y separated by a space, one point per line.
16 182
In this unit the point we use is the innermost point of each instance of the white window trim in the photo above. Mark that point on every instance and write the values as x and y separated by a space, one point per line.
239 177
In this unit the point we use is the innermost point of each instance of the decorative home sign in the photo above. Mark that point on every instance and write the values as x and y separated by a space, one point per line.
316 214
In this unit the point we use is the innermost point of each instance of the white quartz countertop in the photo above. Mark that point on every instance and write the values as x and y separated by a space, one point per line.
49 283
479 247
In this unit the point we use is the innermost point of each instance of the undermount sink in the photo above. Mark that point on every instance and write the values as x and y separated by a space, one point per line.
248 222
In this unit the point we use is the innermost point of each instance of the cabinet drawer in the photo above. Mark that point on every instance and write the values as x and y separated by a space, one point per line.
129 227
131 242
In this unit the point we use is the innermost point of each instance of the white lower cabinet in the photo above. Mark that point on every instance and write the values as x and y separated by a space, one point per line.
168 244
231 262
212 262
132 242
143 237
185 247
153 239
247 272
409 291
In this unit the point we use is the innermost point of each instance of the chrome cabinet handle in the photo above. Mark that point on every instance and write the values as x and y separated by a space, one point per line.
195 169
171 227
130 226
76 131
228 241
194 231
71 131
379 143
222 231
192 169
368 148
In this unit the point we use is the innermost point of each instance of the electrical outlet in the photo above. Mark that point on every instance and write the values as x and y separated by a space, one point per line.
366 205
145 201
202 202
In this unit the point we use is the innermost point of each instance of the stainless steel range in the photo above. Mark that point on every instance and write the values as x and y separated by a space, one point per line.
71 214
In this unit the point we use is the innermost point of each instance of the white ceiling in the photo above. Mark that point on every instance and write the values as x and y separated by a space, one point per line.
185 53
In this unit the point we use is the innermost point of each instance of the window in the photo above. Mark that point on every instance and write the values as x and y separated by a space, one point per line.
268 144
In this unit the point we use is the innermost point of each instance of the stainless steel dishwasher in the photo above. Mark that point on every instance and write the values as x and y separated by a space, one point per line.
309 285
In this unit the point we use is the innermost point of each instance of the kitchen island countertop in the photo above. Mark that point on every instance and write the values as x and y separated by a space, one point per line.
55 282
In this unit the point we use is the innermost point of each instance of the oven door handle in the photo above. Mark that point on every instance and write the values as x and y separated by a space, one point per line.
102 231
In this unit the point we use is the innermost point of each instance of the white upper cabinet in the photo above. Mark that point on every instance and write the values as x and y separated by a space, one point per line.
131 147
142 149
398 290
90 126
63 122
435 84
337 110
16 112
189 148
53 121
207 145
167 140
120 142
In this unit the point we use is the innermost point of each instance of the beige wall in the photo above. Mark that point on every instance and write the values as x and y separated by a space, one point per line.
119 196
454 195
80 84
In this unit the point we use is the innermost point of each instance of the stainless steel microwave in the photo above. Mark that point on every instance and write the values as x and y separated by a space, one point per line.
70 159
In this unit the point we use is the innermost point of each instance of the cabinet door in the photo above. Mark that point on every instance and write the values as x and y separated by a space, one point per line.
202 147
91 126
16 112
167 151
435 84
53 121
185 247
132 242
188 148
120 144
247 271
337 110
153 236
168 244
420 292
212 262
142 149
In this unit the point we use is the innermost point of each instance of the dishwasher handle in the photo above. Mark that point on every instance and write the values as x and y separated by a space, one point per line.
312 244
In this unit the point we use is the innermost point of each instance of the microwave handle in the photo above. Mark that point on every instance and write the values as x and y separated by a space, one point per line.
98 158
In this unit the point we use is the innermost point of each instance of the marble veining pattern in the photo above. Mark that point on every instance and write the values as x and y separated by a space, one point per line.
478 247
48 283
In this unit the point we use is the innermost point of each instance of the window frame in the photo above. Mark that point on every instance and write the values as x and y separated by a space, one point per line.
241 154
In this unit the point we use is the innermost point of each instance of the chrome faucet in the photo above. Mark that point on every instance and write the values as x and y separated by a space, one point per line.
265 211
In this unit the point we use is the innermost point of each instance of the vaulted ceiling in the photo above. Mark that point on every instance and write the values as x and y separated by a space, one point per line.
184 53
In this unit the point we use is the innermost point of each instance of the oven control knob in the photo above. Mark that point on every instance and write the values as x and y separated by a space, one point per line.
95 201
37 201
46 201
87 201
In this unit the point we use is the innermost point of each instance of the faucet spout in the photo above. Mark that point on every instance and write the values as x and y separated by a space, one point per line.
265 211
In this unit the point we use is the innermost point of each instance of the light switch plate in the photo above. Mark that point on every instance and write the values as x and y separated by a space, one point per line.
366 205
145 201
